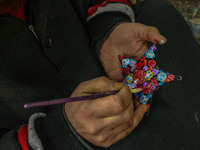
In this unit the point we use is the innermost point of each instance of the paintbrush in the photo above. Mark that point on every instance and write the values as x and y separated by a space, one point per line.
74 99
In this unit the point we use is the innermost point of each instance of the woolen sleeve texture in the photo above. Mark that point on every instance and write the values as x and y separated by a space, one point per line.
55 130
52 131
104 16
101 17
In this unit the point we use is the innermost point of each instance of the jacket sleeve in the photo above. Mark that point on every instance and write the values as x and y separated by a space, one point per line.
50 131
102 16
53 130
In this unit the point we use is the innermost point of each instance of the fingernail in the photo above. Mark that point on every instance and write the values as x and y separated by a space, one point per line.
118 85
147 107
162 41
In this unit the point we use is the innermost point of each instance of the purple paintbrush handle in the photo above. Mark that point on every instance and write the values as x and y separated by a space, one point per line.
66 100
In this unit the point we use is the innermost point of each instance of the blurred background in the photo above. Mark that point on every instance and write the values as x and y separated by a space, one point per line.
190 9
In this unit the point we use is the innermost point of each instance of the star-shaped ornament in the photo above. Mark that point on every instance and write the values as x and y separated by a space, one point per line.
144 74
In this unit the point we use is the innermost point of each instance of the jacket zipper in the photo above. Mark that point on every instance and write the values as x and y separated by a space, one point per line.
30 23
32 28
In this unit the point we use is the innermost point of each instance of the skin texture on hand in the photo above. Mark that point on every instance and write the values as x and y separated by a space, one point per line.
104 121
128 40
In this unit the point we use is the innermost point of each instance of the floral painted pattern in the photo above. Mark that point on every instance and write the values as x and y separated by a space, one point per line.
150 54
161 76
151 63
139 75
147 74
129 78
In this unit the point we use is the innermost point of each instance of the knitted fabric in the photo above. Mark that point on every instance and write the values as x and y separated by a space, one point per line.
22 137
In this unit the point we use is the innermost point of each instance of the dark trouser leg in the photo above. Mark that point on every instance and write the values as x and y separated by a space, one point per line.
174 120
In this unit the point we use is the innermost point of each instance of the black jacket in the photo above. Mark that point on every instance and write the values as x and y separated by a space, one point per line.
46 58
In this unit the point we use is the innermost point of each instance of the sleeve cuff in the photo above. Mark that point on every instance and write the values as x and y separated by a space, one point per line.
85 144
55 131
102 19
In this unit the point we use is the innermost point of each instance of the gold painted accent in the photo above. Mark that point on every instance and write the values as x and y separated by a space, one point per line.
133 1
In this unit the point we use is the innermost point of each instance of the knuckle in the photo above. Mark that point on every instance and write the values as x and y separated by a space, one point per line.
92 130
126 88
154 29
101 140
119 104
81 85
107 145
128 132
103 81
128 118
104 78
86 111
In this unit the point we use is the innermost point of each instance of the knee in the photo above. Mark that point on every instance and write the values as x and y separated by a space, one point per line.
158 3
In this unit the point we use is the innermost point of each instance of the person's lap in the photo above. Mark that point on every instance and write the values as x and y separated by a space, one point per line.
173 122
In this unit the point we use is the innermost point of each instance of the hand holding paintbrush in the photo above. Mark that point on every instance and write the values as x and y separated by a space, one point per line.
73 99
103 110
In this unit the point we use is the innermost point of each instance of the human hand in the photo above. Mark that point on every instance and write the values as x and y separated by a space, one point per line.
104 121
129 40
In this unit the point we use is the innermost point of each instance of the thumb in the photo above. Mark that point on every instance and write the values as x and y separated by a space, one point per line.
99 85
152 34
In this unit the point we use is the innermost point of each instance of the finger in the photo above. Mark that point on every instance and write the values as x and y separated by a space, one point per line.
112 105
136 102
116 73
109 139
152 34
141 50
112 65
125 117
139 114
97 85
116 125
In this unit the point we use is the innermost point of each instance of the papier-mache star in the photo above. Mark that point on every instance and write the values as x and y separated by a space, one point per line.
144 74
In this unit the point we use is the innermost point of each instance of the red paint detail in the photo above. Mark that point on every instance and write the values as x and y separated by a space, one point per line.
126 71
167 80
148 85
171 77
154 82
145 62
139 65
146 90
150 68
140 75
142 58
152 63
147 107
120 58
